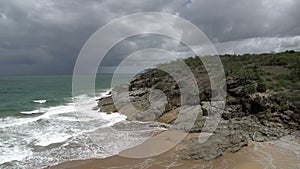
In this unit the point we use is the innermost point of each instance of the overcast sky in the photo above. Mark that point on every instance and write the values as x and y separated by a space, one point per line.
46 36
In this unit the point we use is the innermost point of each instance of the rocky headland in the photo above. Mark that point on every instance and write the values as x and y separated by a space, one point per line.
262 102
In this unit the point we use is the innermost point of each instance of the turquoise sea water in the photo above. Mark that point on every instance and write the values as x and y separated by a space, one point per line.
18 93
42 124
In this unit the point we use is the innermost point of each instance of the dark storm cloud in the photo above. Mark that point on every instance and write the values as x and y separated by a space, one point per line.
45 36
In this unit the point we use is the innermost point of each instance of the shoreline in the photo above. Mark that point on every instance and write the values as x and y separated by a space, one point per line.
255 155
255 119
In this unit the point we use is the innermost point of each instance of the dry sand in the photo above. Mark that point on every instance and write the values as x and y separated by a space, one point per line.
276 154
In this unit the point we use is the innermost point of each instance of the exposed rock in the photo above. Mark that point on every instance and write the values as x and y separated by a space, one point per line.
205 108
236 92
232 100
138 93
107 105
221 141
187 117
232 83
169 117
252 115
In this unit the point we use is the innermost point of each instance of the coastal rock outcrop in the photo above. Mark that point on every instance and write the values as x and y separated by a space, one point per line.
253 111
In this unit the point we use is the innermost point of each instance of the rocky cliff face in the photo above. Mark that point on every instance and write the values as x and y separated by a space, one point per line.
254 110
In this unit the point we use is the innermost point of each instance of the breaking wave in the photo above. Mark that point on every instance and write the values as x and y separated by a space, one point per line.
47 136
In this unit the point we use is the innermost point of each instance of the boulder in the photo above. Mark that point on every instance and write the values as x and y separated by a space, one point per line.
107 105
223 140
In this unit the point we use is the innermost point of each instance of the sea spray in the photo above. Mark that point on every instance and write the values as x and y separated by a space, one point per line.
51 135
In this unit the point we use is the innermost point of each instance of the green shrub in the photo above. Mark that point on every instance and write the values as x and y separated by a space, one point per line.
269 80
295 75
290 51
284 107
247 75
261 86
274 60
274 107
280 61
250 88
159 73
277 88
295 86
161 86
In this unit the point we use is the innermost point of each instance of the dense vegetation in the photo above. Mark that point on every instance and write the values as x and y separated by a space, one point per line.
265 87
262 100
250 78
279 72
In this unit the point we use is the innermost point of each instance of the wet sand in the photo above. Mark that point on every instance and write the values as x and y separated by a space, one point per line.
284 153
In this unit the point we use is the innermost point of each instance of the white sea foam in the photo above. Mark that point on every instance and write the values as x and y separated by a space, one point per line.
33 112
48 139
48 112
40 101
37 138
13 154
106 93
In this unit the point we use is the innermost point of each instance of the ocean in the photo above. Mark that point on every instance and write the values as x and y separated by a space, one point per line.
40 125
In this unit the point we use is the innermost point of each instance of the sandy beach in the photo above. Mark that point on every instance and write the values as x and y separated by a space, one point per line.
275 154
